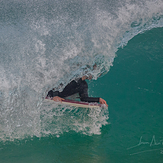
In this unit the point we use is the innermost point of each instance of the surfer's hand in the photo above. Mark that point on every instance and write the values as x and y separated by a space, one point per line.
56 98
102 101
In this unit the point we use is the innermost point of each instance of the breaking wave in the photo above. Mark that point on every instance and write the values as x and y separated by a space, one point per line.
46 43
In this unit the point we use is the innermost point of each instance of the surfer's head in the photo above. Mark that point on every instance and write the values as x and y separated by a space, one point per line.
87 76
90 76
89 73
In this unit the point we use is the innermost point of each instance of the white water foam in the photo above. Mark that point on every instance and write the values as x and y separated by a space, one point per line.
57 119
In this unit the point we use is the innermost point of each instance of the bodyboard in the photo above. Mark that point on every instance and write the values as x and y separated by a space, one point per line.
78 103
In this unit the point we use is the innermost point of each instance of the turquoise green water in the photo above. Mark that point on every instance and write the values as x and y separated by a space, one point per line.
133 89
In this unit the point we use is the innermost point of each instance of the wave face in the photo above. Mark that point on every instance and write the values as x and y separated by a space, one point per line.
45 43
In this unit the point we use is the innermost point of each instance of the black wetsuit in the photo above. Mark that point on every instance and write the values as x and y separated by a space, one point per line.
74 87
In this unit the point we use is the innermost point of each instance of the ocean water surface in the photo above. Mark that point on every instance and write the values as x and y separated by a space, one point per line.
46 44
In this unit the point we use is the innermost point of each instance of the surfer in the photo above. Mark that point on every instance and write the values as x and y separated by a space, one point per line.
76 86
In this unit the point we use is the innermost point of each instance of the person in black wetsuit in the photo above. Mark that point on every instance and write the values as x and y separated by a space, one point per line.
74 87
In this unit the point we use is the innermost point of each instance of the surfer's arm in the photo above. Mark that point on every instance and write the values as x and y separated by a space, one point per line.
52 93
83 93
94 99
102 101
57 98
90 99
